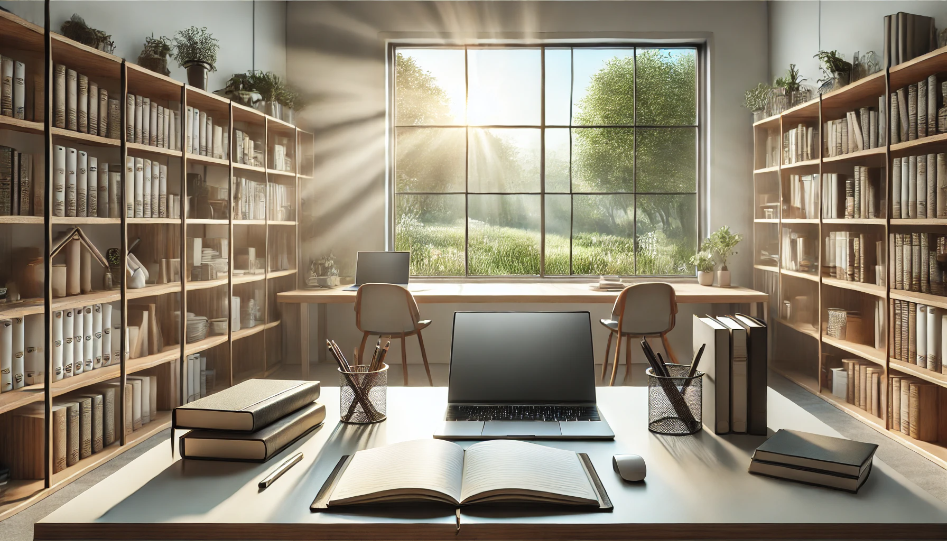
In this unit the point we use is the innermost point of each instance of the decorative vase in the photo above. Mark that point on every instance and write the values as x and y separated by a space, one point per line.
723 278
59 281
705 278
289 116
197 72
757 115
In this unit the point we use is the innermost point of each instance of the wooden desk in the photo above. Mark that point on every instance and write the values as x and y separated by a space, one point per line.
509 292
697 487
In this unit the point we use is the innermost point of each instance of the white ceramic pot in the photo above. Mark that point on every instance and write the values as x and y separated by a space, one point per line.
705 278
723 278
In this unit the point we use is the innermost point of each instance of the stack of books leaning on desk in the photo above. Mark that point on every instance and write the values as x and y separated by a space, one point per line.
251 421
814 459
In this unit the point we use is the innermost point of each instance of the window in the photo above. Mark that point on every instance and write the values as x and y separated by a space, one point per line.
549 161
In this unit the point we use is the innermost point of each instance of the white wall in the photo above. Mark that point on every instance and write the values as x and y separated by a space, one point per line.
336 50
242 47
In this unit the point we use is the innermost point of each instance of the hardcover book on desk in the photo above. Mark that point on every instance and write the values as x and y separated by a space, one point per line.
248 406
814 459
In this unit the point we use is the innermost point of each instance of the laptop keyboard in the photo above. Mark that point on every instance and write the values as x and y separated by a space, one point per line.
522 413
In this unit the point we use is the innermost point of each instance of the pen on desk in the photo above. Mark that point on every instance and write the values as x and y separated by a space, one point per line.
371 365
381 357
280 470
700 353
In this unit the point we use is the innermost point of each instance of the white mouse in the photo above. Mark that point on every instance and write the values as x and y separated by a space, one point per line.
630 467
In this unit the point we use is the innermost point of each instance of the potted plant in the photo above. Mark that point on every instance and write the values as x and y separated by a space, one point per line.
755 100
289 99
269 85
195 49
154 55
721 244
704 261
836 70
76 29
240 90
792 82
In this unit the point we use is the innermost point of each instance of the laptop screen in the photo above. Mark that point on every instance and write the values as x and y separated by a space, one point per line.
382 268
522 358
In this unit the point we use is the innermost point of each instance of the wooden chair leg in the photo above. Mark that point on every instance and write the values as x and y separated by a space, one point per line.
608 346
424 358
361 348
404 360
667 348
628 357
615 361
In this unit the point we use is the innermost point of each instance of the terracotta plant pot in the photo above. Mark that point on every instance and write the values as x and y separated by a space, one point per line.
705 278
723 278
197 74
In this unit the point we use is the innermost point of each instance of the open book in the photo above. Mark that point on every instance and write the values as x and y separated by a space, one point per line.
440 471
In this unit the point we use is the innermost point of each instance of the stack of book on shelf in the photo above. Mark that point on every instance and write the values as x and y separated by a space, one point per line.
771 157
83 341
204 138
919 260
859 130
734 363
209 258
246 150
800 251
251 421
857 382
279 203
862 194
919 334
804 196
147 196
814 459
908 36
854 257
13 89
282 154
914 407
914 114
19 194
919 186
147 123
197 377
83 186
80 105
799 144
249 199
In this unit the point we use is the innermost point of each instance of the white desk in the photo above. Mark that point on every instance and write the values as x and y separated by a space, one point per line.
697 487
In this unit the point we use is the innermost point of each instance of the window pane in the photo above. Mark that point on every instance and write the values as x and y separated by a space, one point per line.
558 229
431 227
604 87
558 86
557 160
603 232
504 234
504 86
667 160
429 86
504 160
430 159
667 233
667 87
603 160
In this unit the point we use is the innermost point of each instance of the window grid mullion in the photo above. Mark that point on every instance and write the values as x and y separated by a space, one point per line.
466 168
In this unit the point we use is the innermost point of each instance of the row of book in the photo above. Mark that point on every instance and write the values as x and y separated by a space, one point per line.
147 123
148 196
799 144
803 196
282 155
771 149
917 262
246 150
85 339
204 137
249 199
83 424
918 335
907 36
280 203
862 195
854 257
914 407
862 129
84 187
919 186
800 253
914 113
198 378
857 382
12 88
20 195
80 105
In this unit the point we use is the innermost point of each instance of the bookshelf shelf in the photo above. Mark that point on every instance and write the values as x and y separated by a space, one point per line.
244 168
205 344
803 328
868 353
206 284
243 333
149 151
935 452
804 111
767 268
89 220
802 275
19 125
800 220
918 145
153 221
21 219
281 222
84 138
922 298
249 222
765 170
854 221
766 221
772 121
154 290
792 167
248 278
207 160
206 221
870 289
280 173
18 398
918 221
281 273
918 68
21 308
915 370
876 155
838 102
853 410
78 301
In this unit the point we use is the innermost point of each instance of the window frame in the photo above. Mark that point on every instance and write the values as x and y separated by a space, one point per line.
701 48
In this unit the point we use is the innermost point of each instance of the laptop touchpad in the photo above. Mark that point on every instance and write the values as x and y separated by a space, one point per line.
521 429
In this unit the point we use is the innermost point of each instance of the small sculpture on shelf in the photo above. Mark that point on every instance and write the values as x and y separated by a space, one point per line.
75 277
324 273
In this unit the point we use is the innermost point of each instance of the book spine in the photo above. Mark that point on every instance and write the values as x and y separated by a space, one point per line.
155 178
905 181
72 96
92 193
68 337
93 108
920 345
6 180
102 177
154 127
931 184
59 96
912 112
139 188
145 187
921 187
115 119
34 344
72 162
88 348
202 133
26 184
921 109
882 121
159 117
97 336
130 118
77 334
115 190
19 90
897 330
924 264
903 120
82 104
932 105
130 187
6 86
104 113
18 353
894 124
82 184
146 125
106 335
163 191
139 121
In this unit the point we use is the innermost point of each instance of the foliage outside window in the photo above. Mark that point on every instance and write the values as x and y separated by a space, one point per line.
546 160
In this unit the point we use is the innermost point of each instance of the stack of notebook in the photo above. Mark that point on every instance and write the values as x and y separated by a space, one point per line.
814 459
251 421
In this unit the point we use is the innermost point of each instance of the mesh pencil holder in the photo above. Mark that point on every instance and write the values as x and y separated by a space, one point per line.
363 394
674 402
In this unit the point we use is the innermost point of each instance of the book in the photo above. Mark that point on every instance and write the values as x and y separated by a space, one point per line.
96 336
931 184
59 96
139 125
19 90
139 188
72 97
72 162
57 344
22 448
82 104
738 374
77 323
145 187
6 86
716 367
154 176
104 113
153 127
34 371
757 366
137 403
85 425
258 446
92 192
59 448
6 355
82 183
102 190
114 119
146 125
93 124
247 406
435 470
809 476
109 413
72 430
814 451
923 414
903 119
145 384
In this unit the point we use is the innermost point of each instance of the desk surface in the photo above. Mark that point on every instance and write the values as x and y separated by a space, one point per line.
697 487
515 292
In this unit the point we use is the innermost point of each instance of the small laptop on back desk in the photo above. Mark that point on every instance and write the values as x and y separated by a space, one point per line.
522 375
381 268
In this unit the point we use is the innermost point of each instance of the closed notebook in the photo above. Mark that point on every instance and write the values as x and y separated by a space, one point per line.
248 406
813 451
257 446
810 476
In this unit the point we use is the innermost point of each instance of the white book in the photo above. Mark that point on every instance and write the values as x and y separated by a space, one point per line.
78 352
210 137
139 119
189 118
136 401
82 104
932 185
146 187
88 348
145 397
933 339
82 184
921 341
6 87
6 355
196 132
103 191
218 142
59 96
97 336
166 132
19 90
159 117
839 383
185 390
72 91
716 367
59 181
130 118
130 187
19 353
115 189
202 133
922 185
106 334
35 364
738 375
905 190
58 345
72 160
174 132
153 126
139 186
92 192
116 337
68 328
203 366
93 108
155 188
104 113
163 191
145 120
194 377
912 187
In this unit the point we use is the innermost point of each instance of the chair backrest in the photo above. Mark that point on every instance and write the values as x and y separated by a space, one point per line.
646 308
385 309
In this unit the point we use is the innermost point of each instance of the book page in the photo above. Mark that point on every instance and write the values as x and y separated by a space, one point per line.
512 468
402 469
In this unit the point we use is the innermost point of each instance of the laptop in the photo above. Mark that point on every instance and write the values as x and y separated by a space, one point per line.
522 375
381 268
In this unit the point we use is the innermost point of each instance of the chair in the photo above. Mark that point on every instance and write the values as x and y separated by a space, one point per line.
389 310
641 310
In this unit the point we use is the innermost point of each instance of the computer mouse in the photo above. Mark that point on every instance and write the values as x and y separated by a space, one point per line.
630 467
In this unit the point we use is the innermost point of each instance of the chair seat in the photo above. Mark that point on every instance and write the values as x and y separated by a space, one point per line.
613 326
421 325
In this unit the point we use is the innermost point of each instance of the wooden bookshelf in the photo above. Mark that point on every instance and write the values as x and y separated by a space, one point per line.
799 349
161 239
